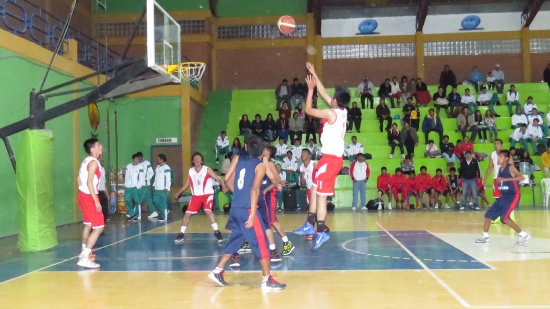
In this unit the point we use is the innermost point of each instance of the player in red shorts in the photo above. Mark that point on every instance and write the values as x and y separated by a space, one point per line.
88 200
439 188
332 139
203 195
399 184
423 184
383 184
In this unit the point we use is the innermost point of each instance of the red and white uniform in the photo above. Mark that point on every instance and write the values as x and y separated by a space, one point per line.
309 176
90 215
496 168
399 184
202 190
333 148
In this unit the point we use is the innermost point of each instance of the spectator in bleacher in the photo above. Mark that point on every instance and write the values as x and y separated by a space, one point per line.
490 81
498 75
529 105
415 118
394 139
452 185
270 128
413 191
403 88
297 93
399 184
447 78
257 125
407 165
440 100
226 163
222 145
476 78
384 91
512 98
290 165
236 147
519 118
489 99
520 135
458 150
469 170
545 160
465 123
479 122
282 93
348 120
432 122
407 109
491 124
282 148
296 149
395 91
383 114
359 172
439 188
355 115
295 127
311 127
244 125
467 145
285 109
422 94
313 149
447 151
353 149
431 150
366 90
279 196
383 184
469 101
546 74
410 90
535 135
409 138
535 115
282 127
423 184
454 102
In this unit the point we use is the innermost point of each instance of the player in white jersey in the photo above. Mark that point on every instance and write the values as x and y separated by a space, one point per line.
203 195
494 167
332 139
88 200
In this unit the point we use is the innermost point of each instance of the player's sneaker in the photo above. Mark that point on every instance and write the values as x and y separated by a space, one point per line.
130 218
364 208
288 247
218 235
218 278
483 239
179 239
154 214
476 208
309 237
447 206
320 239
272 284
274 256
522 239
235 261
92 256
245 248
354 208
389 206
86 263
461 207
306 229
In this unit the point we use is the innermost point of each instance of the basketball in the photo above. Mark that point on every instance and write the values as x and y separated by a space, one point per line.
286 24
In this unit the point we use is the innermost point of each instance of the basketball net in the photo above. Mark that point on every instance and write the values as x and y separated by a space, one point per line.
190 72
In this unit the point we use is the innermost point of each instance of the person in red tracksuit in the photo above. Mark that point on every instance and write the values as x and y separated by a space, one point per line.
399 185
412 191
439 188
423 184
383 184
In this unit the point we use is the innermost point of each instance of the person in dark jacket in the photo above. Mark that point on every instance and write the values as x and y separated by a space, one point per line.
432 122
546 74
409 138
447 78
383 114
355 117
311 126
469 171
244 125
270 128
384 91
257 126
394 140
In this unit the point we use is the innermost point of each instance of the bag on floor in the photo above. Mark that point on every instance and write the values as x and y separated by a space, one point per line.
373 204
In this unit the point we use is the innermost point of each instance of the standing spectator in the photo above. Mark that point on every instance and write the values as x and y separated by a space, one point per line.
488 98
285 109
469 171
383 184
407 165
366 90
447 151
498 74
244 125
236 146
297 93
432 122
520 135
403 88
545 160
161 187
282 93
282 127
454 102
490 81
270 128
311 126
512 98
296 149
535 135
394 139
479 123
439 188
446 78
465 123
476 78
383 114
440 100
491 125
222 145
282 148
384 91
546 74
257 126
519 118
103 194
359 172
355 115
295 128
395 91
409 138
422 94
399 184
529 105
132 185
469 101
353 149
431 150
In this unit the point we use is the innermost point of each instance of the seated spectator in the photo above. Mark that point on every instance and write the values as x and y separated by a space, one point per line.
519 118
395 91
359 172
439 188
465 123
355 115
535 135
282 149
403 86
290 165
282 93
422 95
295 127
447 151
413 191
313 149
298 93
447 78
222 145
410 90
285 109
545 160
270 128
415 118
311 127
535 115
296 149
409 138
514 156
455 101
407 165
479 122
431 150
476 78
226 163
394 140
432 122
452 186
458 150
384 92
423 184
489 99
407 109
383 114
366 91
529 105
520 135
383 184
469 101
498 76
512 98
301 111
282 127
257 125
399 184
467 145
244 125
353 149
491 125
440 100
236 147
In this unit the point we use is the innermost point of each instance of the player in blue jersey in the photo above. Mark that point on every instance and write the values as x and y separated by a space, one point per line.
508 177
244 178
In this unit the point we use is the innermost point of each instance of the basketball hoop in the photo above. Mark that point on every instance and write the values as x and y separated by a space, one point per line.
189 71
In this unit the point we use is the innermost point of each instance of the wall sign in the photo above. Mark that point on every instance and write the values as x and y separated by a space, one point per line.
470 22
367 26
166 140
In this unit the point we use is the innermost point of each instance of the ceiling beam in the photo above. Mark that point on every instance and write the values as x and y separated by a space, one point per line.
421 13
531 9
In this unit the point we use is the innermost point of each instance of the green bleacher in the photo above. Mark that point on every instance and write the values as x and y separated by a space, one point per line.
262 102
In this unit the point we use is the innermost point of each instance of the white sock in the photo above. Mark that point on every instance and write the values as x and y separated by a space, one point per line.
285 239
217 270
85 253
522 234
183 228
83 246
271 246
215 226
485 234
264 278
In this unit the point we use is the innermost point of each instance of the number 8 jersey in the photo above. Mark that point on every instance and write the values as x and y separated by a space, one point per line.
244 178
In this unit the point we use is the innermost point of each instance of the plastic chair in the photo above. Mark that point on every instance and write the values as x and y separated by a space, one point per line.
545 187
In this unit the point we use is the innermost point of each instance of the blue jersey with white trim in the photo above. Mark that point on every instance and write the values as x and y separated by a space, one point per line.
507 187
245 172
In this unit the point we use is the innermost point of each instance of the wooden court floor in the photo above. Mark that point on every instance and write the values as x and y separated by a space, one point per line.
425 259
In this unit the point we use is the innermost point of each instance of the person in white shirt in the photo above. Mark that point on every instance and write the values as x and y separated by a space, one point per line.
529 105
162 184
359 172
488 98
132 185
145 190
498 75
512 98
313 149
518 118
103 192
432 151
353 149
469 101
520 135
282 93
536 135
366 89
290 165
297 149
222 145
396 90
282 148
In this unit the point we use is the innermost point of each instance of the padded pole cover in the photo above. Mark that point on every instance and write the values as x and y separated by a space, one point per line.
35 191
